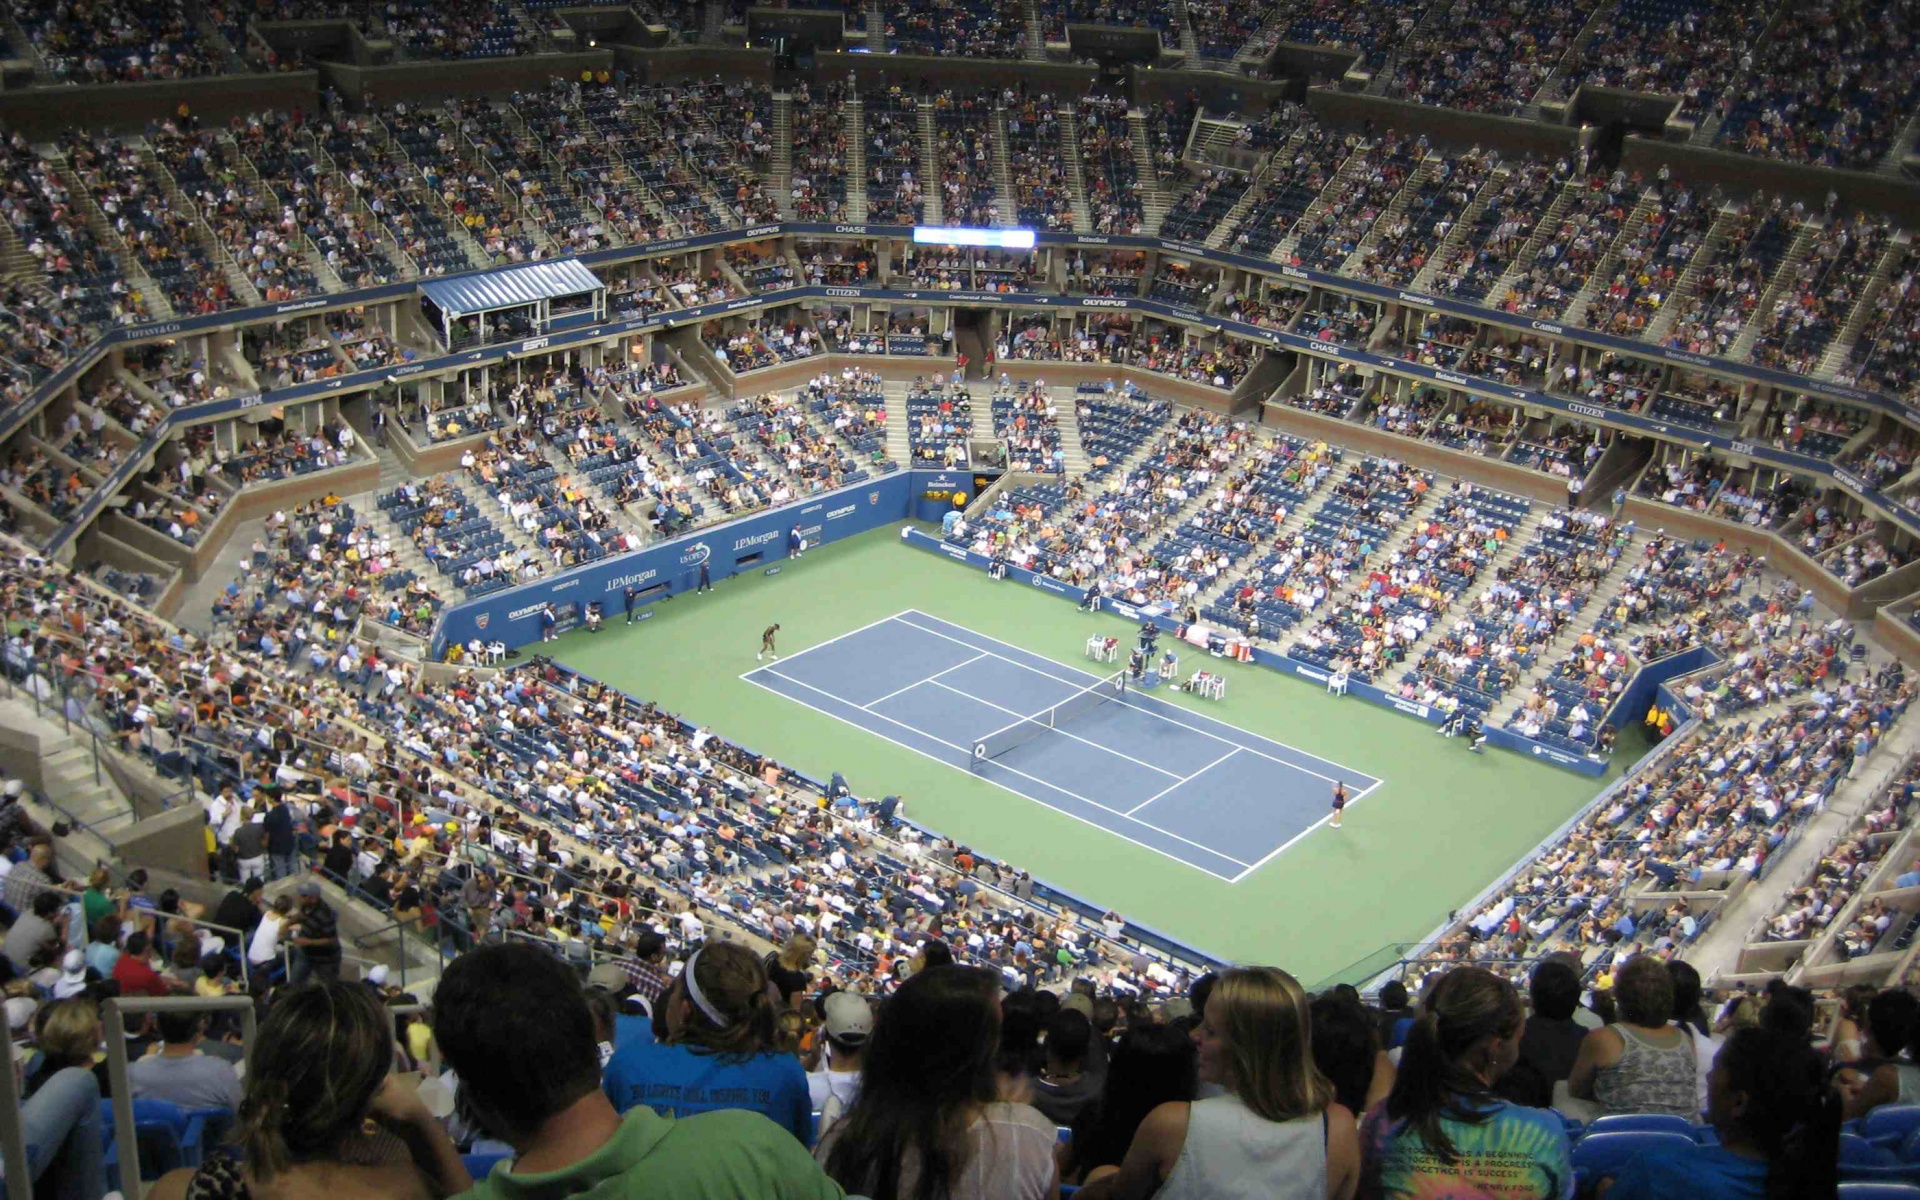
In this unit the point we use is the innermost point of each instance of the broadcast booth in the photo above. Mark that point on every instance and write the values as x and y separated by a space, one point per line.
529 301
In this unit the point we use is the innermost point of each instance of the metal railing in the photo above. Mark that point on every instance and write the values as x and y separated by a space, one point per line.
113 1016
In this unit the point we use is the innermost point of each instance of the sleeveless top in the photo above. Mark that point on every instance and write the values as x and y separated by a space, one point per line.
1231 1153
1649 1078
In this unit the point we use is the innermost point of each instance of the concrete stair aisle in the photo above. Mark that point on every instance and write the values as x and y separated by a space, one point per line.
712 20
1035 48
1689 281
1521 535
1357 581
245 167
1439 15
177 198
543 38
531 223
1841 348
1784 277
1255 192
65 755
1550 654
782 167
1709 125
1523 261
1152 196
1003 167
1078 461
232 57
621 519
517 124
1076 172
1904 147
625 179
876 28
899 442
856 161
1338 191
1602 275
1255 51
1402 200
158 306
369 220
382 140
1496 179
24 45
1189 43
1295 522
930 166
1558 82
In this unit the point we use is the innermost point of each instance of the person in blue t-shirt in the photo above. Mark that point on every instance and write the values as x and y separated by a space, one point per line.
718 1050
1779 1126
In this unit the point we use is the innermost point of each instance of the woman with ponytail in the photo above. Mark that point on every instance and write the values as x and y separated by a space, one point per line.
1276 1132
719 1048
1779 1127
1443 1131
322 1116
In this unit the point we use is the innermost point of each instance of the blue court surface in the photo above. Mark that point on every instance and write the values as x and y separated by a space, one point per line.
1195 789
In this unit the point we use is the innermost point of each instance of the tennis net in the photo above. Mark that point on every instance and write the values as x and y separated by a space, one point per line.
1001 740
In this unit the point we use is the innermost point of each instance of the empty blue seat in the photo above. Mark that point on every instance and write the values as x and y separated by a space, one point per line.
1598 1155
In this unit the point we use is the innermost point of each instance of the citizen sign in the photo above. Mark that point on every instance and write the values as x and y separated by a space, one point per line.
852 292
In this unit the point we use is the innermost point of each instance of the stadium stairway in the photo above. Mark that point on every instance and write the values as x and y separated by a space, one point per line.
1076 173
899 441
1784 277
1296 520
1556 85
1865 303
178 201
1549 654
1717 953
1189 44
1469 217
1547 227
157 303
876 27
1003 167
1519 536
1602 274
1335 191
856 161
1904 148
781 172
1036 44
1689 281
1153 197
1394 211
930 166
1074 450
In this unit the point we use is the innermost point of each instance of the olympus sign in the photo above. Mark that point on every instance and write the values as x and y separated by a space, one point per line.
1096 303
763 230
845 510
528 611
758 539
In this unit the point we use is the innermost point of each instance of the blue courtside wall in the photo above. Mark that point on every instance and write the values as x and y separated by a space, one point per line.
1267 658
513 616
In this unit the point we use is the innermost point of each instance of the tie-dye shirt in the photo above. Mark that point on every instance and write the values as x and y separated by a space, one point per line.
1517 1153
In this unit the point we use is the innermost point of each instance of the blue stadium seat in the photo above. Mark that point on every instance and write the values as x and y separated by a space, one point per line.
1599 1155
1644 1123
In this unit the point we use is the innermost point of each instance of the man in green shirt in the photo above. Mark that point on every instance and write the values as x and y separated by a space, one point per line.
514 1025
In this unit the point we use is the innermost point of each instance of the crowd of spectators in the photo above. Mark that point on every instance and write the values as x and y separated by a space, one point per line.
1488 56
895 190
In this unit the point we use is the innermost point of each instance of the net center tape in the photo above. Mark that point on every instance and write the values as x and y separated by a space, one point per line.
1020 732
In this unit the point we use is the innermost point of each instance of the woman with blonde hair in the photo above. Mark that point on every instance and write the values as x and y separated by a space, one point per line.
791 968
1276 1132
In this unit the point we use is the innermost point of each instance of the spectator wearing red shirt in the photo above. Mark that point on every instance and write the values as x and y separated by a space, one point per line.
134 974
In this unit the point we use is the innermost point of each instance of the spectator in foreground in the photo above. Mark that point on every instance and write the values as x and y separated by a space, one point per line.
316 1073
847 1023
1640 1063
719 1048
1064 1087
1550 1043
60 1116
929 1123
1443 1130
512 1022
1893 1026
1346 1048
1276 1131
1152 1065
180 1073
1779 1129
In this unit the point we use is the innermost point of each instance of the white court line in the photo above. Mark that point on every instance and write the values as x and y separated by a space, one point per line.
1277 850
916 683
1054 729
964 751
849 633
1148 711
1185 779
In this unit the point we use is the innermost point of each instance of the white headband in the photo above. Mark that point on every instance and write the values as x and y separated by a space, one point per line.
699 997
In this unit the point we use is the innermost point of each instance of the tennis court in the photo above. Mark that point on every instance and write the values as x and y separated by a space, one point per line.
1198 790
